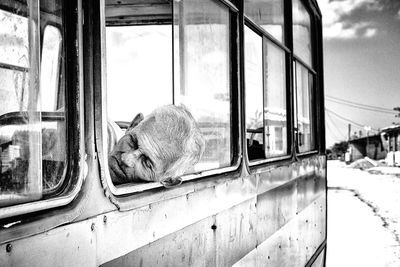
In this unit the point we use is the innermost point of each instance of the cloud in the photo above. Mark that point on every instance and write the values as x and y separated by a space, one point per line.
337 18
370 32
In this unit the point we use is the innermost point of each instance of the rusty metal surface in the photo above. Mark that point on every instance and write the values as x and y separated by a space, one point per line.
284 227
72 245
220 225
294 243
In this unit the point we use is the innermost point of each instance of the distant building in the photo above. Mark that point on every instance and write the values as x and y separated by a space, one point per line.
367 146
391 141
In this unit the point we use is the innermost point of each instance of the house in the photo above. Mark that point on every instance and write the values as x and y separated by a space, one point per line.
391 140
367 146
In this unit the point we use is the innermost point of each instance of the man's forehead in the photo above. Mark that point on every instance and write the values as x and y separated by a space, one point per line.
158 142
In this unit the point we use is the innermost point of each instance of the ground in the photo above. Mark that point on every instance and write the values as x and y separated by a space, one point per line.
363 216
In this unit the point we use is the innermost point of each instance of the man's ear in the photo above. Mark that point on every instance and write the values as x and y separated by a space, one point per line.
138 118
170 182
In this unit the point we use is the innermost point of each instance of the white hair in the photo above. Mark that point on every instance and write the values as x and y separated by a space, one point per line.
189 143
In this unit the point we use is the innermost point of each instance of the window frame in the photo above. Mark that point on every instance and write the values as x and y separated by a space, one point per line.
74 171
101 113
315 97
317 90
267 36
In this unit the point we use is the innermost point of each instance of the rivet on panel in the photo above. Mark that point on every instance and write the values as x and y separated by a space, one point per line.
105 219
92 227
8 248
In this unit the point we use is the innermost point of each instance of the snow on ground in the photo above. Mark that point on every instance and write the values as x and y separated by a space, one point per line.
363 216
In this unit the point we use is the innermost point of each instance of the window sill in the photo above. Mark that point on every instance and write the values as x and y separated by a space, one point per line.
132 188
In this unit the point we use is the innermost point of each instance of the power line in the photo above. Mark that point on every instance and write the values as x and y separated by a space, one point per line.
333 133
356 103
335 126
337 99
361 107
348 120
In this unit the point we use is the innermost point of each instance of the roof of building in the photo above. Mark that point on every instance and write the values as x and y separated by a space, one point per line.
364 138
391 128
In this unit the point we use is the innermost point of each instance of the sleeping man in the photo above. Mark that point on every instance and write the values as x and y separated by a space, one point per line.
158 148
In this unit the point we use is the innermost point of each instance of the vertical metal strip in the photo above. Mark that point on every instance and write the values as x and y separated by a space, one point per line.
34 179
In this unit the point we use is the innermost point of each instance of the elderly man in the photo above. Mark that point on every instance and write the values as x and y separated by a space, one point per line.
158 148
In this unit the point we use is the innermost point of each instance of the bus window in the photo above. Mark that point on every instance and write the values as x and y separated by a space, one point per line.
275 118
32 142
266 112
304 77
139 69
202 74
50 69
301 32
157 56
268 14
254 94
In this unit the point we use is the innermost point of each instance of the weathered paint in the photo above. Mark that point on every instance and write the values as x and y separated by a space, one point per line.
320 260
213 226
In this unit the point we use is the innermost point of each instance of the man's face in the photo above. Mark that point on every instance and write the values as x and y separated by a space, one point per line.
141 154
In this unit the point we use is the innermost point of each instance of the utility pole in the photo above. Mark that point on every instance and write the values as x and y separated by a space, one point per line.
349 133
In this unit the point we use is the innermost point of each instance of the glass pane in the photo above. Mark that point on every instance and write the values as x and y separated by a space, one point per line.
268 14
254 94
32 142
139 69
275 113
202 74
301 32
14 45
50 68
304 109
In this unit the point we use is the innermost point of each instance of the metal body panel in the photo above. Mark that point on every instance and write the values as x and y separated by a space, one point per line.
293 244
320 260
213 226
71 245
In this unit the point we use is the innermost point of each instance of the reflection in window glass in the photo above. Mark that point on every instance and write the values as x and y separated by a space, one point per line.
266 114
14 39
301 32
268 14
254 94
304 109
50 68
139 69
202 83
275 117
32 142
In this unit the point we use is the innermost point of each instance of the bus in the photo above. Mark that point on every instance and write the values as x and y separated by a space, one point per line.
251 74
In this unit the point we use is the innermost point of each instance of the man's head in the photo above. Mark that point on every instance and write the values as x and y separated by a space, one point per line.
160 147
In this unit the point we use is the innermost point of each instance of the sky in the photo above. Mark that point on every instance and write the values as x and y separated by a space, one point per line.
362 65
